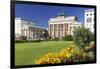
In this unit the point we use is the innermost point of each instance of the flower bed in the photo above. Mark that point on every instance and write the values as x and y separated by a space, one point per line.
66 55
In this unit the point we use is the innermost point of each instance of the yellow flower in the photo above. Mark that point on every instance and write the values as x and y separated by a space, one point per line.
50 58
63 56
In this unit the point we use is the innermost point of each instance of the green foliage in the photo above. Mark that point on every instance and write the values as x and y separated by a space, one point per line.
68 38
92 37
82 37
19 41
55 39
46 34
23 37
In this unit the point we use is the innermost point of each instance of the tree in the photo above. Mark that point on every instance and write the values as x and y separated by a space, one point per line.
45 34
92 37
82 37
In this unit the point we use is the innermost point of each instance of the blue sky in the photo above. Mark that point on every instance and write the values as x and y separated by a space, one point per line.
41 14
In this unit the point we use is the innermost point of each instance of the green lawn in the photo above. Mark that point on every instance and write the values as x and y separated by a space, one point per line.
27 53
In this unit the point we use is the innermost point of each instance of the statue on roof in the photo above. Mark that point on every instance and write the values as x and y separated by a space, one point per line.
62 14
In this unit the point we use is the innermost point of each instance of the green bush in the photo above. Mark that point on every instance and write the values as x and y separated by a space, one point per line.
23 38
82 37
92 37
36 40
20 41
68 38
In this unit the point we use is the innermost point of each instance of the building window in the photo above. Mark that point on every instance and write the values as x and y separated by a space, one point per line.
87 14
90 14
89 20
28 23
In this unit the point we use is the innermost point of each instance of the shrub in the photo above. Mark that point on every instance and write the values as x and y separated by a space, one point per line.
18 41
49 38
68 38
55 39
72 54
84 56
92 37
38 40
91 55
82 37
65 55
23 37
91 47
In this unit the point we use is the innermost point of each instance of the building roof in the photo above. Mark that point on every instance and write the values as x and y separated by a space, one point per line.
64 18
89 10
19 18
28 25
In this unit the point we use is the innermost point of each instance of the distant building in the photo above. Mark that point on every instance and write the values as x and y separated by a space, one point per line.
62 25
89 19
28 28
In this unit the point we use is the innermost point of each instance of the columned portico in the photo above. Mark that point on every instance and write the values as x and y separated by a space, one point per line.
32 33
27 28
61 26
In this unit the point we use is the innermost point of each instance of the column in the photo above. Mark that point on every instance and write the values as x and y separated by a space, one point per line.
68 29
53 31
25 32
49 29
58 30
63 29
28 33
56 34
32 34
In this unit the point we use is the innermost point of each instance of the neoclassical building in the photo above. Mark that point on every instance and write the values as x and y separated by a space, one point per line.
24 27
89 19
62 25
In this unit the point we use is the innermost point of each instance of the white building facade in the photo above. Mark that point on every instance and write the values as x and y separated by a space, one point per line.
62 25
89 19
27 28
